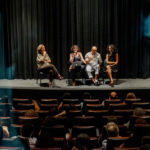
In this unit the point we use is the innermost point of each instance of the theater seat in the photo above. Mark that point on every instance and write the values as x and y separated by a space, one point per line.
94 106
113 142
117 106
54 131
72 106
107 102
48 101
74 113
145 140
144 105
90 130
47 106
84 120
71 101
97 113
24 119
139 131
130 101
15 129
23 106
127 148
91 101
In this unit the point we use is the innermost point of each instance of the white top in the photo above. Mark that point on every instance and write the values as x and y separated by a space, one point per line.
96 59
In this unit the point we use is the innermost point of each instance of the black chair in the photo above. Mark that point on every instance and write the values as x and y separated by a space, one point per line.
113 142
54 131
115 74
90 130
49 101
41 75
140 130
84 120
80 74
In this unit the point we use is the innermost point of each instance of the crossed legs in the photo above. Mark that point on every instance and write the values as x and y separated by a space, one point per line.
109 73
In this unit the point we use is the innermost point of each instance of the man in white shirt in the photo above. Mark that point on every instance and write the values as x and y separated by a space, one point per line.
93 60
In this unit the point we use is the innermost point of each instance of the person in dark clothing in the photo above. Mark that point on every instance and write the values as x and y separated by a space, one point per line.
76 56
111 61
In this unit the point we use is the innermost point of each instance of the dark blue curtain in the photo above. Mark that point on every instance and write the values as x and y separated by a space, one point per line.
61 23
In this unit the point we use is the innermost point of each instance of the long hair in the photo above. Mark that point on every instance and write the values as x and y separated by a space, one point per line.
113 47
73 46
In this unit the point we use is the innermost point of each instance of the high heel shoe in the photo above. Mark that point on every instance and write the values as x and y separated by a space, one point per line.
111 84
60 77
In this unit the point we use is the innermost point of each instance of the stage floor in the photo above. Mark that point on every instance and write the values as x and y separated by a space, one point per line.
123 84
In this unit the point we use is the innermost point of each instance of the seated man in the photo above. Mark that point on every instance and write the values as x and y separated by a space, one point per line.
93 60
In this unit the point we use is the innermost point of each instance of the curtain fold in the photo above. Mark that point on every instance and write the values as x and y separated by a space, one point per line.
60 24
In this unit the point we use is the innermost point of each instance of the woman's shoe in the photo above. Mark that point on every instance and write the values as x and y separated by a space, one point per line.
60 77
111 84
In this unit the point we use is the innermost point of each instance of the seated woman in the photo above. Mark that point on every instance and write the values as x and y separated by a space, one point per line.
111 61
76 56
44 64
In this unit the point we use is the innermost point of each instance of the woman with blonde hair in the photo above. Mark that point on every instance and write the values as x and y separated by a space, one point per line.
44 63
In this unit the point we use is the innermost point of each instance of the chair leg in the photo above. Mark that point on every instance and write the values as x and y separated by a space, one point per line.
37 81
37 78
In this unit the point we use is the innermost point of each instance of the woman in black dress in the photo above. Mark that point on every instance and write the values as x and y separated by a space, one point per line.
111 61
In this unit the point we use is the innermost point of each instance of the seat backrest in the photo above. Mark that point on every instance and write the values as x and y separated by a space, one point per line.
71 101
130 101
97 113
24 106
91 101
113 142
145 140
74 113
114 101
139 131
117 106
54 131
84 120
48 101
48 106
144 105
94 106
89 130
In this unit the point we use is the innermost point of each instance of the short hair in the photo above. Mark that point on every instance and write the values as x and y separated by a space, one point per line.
112 129
131 95
39 48
83 141
113 94
139 111
73 46
94 46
